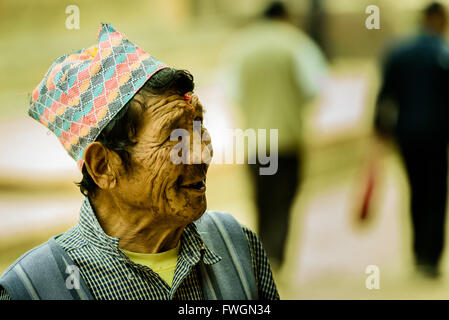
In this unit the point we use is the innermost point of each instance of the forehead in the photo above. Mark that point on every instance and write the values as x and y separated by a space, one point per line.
173 104
165 111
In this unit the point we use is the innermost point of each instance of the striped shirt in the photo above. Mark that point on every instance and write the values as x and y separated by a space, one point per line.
111 275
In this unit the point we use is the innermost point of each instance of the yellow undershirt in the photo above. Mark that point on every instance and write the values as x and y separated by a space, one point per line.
164 263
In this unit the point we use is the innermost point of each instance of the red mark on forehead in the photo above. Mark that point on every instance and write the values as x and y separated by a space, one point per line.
188 99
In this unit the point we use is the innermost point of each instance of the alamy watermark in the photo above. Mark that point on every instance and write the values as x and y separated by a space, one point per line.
189 151
73 20
373 20
373 280
73 279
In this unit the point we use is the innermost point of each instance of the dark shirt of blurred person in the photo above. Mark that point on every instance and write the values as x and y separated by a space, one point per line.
416 83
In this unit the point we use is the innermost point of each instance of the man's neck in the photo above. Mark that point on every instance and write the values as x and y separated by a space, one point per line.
139 230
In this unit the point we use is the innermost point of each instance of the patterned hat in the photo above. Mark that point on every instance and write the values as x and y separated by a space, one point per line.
84 90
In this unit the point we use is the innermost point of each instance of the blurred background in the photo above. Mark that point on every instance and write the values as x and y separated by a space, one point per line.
328 246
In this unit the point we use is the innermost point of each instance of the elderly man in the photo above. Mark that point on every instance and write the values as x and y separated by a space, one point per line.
143 231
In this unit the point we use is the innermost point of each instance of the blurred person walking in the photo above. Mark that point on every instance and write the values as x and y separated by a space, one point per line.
274 72
415 83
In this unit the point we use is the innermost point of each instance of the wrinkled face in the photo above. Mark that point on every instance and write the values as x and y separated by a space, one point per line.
175 193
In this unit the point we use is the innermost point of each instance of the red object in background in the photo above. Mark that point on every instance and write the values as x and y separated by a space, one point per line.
368 194
375 155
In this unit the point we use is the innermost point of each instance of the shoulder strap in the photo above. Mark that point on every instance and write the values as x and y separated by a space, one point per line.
232 278
41 273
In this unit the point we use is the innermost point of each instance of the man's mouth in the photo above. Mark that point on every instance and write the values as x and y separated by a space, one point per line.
199 186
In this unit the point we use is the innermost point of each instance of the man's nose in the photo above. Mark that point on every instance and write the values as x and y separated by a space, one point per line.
202 150
207 149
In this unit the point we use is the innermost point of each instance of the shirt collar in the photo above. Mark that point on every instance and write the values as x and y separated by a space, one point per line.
192 249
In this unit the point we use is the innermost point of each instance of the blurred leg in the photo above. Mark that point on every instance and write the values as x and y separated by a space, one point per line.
274 197
426 167
415 167
436 199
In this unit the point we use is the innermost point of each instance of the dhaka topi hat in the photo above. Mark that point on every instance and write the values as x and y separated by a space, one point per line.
83 91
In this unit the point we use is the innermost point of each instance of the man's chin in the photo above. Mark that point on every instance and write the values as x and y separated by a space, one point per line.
194 207
198 211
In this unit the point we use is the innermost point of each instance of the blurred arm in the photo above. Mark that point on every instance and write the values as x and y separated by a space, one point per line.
311 69
386 109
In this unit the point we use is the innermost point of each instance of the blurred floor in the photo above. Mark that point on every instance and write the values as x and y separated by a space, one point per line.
330 249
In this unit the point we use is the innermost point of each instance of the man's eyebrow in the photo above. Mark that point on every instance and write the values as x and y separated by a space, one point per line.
172 122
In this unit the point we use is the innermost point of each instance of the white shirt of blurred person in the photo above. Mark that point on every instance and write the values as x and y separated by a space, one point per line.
272 70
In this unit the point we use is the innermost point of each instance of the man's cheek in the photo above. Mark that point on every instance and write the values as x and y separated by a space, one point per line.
164 175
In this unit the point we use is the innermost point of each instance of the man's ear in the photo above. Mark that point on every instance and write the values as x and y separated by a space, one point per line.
98 159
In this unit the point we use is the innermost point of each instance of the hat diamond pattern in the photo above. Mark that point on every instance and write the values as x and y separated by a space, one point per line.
83 91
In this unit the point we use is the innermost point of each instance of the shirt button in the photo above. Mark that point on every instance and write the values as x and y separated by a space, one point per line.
130 276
